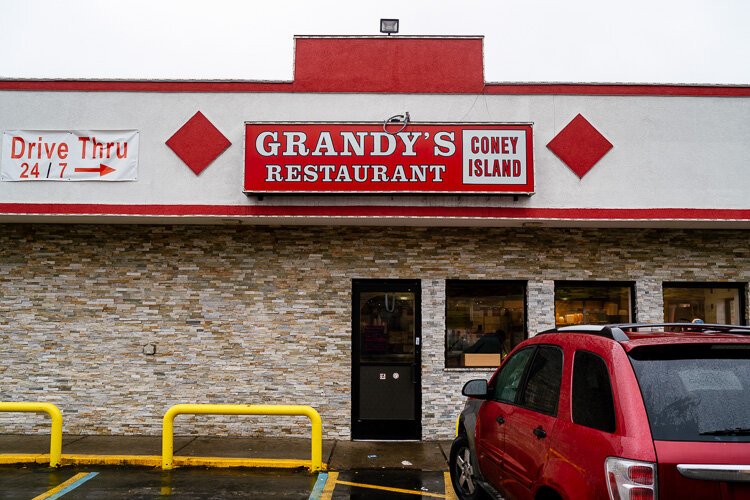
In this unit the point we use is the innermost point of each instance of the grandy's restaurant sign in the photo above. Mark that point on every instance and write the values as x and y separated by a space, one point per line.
366 158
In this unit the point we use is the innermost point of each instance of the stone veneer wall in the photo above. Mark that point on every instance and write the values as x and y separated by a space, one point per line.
262 314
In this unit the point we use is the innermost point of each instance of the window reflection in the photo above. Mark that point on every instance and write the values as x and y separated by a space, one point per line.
485 320
387 327
592 303
717 303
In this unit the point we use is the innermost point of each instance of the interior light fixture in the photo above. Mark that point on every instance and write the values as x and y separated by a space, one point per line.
389 26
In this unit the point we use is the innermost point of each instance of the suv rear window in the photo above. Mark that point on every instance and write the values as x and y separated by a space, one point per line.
696 392
593 404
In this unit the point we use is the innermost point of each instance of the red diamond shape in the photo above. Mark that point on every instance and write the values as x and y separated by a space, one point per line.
198 143
579 145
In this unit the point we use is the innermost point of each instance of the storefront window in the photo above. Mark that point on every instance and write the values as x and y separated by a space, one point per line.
593 303
711 303
484 321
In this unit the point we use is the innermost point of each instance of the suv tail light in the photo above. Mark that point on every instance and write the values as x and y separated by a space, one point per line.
630 479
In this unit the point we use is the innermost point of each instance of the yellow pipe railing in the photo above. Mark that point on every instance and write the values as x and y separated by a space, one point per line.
55 445
167 438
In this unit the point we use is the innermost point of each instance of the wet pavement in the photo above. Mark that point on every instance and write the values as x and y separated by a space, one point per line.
133 483
356 470
390 484
114 483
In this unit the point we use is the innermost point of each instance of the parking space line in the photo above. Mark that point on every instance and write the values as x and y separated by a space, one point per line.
330 485
69 485
394 490
326 483
319 486
450 494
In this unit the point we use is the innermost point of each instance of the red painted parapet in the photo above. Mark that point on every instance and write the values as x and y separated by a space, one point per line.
389 64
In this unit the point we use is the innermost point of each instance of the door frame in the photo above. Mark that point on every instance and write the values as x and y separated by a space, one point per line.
385 430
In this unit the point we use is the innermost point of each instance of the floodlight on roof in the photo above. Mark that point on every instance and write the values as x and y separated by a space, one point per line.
389 26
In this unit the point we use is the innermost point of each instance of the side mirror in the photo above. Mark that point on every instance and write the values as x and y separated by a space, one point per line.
476 388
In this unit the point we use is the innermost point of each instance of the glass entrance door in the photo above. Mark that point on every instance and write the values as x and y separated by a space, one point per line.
386 361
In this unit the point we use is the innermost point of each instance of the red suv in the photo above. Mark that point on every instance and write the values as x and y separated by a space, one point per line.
619 411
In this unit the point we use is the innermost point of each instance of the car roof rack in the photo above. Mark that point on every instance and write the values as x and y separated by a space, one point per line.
617 331
688 327
609 331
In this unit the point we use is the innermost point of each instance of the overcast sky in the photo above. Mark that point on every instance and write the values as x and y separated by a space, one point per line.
654 41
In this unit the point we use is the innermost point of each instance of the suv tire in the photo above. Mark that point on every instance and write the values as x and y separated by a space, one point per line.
463 477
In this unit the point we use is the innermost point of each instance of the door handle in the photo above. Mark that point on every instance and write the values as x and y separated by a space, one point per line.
540 433
500 420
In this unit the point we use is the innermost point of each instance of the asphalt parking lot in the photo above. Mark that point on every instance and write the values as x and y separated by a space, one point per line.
353 469
136 483
384 484
70 483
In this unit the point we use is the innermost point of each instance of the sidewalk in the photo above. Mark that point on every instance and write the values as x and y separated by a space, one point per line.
337 454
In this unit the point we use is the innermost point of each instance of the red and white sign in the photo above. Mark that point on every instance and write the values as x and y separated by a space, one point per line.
363 158
69 155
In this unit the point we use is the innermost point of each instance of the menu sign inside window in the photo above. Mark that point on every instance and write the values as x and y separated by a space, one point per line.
363 158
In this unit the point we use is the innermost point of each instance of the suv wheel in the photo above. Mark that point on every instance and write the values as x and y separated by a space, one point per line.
462 472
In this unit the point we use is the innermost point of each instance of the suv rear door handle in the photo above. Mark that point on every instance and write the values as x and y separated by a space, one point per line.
500 420
540 433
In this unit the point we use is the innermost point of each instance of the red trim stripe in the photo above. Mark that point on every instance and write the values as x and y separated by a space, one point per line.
618 90
291 87
143 86
376 212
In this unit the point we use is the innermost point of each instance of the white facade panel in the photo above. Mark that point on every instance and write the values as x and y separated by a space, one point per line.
668 152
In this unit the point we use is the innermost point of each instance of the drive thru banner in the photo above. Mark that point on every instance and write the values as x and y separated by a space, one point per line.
69 155
365 158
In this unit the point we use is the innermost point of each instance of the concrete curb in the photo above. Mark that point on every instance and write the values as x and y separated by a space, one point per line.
155 461
224 452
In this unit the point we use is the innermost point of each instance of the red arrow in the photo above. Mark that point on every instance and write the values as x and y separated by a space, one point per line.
102 169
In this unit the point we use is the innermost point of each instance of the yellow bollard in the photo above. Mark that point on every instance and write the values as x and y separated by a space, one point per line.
55 445
167 438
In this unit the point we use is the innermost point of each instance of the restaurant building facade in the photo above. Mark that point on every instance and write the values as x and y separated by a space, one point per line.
363 239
